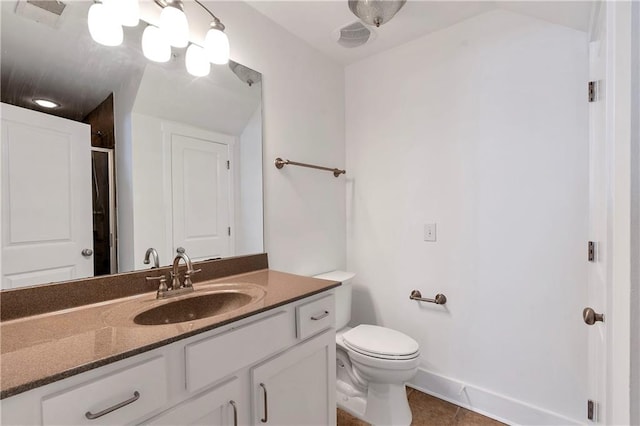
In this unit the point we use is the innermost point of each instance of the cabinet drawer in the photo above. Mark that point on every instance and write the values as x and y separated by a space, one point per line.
315 316
214 358
143 386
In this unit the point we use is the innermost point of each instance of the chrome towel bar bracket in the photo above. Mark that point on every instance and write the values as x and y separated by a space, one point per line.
280 163
440 299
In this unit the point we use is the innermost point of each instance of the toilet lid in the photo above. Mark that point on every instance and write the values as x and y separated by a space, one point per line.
380 341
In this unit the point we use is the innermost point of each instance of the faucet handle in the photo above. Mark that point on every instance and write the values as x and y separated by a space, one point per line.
187 276
162 287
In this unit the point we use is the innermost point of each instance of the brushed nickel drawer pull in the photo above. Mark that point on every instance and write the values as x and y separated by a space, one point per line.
319 317
134 398
266 404
235 412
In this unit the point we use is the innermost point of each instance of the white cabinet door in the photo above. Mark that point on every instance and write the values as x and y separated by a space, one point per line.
220 406
46 198
200 193
297 387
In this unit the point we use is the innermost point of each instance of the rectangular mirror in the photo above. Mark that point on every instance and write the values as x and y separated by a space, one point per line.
136 154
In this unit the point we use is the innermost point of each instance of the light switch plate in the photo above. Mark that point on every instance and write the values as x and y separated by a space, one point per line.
430 232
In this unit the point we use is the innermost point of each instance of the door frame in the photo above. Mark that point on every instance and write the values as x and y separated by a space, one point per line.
618 19
113 254
169 128
635 217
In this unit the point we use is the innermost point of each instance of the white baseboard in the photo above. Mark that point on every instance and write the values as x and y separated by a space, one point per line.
487 403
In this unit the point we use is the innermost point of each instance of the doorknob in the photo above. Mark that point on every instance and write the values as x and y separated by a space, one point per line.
180 250
590 316
87 252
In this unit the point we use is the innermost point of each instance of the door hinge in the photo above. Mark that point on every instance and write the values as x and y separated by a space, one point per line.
593 91
592 410
591 251
228 165
229 231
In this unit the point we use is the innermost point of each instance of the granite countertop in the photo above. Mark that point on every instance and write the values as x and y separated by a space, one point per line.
41 349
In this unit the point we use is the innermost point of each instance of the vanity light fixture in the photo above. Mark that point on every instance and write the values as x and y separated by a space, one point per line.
127 12
196 61
216 43
104 26
173 22
46 103
155 47
106 18
375 12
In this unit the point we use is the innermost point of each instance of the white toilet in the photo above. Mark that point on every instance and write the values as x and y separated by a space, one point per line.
373 363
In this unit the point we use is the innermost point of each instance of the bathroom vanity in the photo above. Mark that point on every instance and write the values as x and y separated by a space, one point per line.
269 361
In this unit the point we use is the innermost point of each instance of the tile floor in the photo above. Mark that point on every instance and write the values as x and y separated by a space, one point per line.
427 411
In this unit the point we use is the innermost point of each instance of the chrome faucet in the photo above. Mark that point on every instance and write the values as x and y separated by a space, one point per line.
175 278
151 252
176 288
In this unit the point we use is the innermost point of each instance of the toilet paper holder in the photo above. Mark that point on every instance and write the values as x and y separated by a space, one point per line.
440 298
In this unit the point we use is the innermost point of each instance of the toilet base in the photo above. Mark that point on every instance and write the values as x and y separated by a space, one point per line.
384 404
387 404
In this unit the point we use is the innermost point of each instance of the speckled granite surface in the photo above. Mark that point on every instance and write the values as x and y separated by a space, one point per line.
40 349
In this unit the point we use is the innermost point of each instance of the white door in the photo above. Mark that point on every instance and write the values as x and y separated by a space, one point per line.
200 196
46 198
599 267
298 387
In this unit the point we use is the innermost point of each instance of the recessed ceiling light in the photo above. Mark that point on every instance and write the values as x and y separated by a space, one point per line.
45 103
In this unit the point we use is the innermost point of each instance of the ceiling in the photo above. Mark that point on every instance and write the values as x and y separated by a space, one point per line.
318 22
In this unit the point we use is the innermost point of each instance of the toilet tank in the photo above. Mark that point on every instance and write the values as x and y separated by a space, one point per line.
343 295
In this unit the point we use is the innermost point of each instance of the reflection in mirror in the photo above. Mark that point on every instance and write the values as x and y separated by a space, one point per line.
135 154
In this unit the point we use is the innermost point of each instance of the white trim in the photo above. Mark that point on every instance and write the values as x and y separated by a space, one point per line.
488 403
113 253
635 215
619 141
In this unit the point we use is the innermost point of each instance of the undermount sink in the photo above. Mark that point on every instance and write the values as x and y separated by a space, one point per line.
194 307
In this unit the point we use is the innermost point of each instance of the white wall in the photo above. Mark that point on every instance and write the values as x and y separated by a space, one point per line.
249 231
303 99
123 100
149 183
482 129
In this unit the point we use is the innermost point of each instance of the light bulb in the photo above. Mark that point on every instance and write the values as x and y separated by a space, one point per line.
126 11
46 103
196 61
216 44
173 22
103 25
154 45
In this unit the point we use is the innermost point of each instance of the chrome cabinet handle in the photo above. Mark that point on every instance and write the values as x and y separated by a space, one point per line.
266 404
235 412
590 316
134 398
319 317
87 252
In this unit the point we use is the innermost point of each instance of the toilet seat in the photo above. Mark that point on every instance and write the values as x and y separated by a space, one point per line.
381 343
